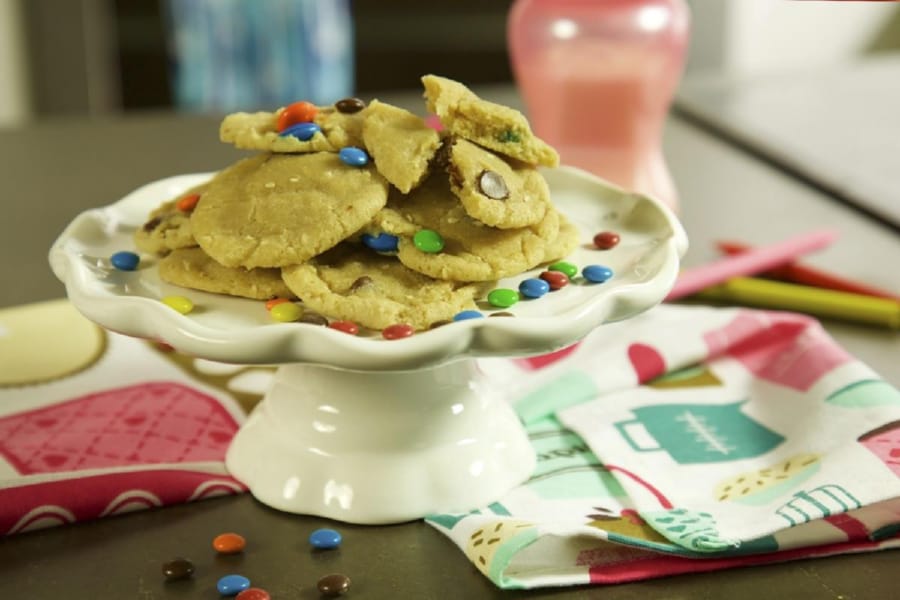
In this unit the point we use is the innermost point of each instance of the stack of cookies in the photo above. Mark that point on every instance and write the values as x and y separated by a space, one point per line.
365 213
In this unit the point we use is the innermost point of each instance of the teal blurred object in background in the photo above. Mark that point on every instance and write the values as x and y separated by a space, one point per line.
232 55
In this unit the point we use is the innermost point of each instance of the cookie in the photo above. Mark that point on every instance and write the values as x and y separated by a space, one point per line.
168 227
375 291
275 210
494 126
259 131
564 243
400 142
193 268
492 190
472 250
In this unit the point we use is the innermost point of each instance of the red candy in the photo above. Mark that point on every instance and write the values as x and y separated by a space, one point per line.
187 203
275 302
606 240
253 594
298 112
556 279
395 332
345 326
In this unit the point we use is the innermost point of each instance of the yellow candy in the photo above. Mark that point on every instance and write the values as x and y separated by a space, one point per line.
286 312
179 303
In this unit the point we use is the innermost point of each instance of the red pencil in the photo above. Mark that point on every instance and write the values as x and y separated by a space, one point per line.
797 273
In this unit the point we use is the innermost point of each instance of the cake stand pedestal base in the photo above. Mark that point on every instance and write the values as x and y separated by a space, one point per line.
380 447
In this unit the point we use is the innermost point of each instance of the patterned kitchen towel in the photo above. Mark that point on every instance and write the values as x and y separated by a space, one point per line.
103 424
690 439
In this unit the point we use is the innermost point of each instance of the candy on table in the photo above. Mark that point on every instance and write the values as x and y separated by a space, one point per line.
125 260
562 266
253 594
333 585
231 585
503 297
312 318
178 568
502 313
229 543
596 273
353 156
325 539
345 326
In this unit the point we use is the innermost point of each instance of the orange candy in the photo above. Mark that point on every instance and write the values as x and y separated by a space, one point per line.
229 543
275 302
187 203
298 112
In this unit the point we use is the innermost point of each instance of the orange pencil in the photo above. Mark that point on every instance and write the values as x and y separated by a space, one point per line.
798 273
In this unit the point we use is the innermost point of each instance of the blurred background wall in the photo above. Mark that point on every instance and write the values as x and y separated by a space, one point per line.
61 57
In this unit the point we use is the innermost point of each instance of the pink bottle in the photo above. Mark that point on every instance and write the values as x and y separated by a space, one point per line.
597 78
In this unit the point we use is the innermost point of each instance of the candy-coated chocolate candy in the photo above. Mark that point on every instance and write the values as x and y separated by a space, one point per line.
231 585
125 261
297 112
467 314
361 283
503 297
428 241
502 313
440 323
302 131
179 303
556 279
492 185
534 288
355 157
285 312
564 267
349 105
313 318
383 242
273 302
596 273
395 332
253 594
606 240
187 203
333 585
178 568
345 326
325 539
229 543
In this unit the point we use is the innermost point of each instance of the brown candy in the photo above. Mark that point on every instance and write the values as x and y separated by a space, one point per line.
502 314
362 282
313 318
349 105
178 568
333 585
492 185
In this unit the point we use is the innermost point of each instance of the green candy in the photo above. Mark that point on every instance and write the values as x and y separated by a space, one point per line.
503 297
428 241
564 267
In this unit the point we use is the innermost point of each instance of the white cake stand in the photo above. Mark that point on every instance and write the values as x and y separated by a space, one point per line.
362 429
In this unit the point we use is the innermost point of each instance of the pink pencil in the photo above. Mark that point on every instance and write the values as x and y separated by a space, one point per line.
749 263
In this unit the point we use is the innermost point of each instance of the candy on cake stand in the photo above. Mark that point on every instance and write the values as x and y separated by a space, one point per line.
359 428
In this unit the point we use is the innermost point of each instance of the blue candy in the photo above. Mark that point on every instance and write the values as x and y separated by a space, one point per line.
596 273
301 131
232 585
383 242
354 157
325 539
467 314
125 261
534 288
